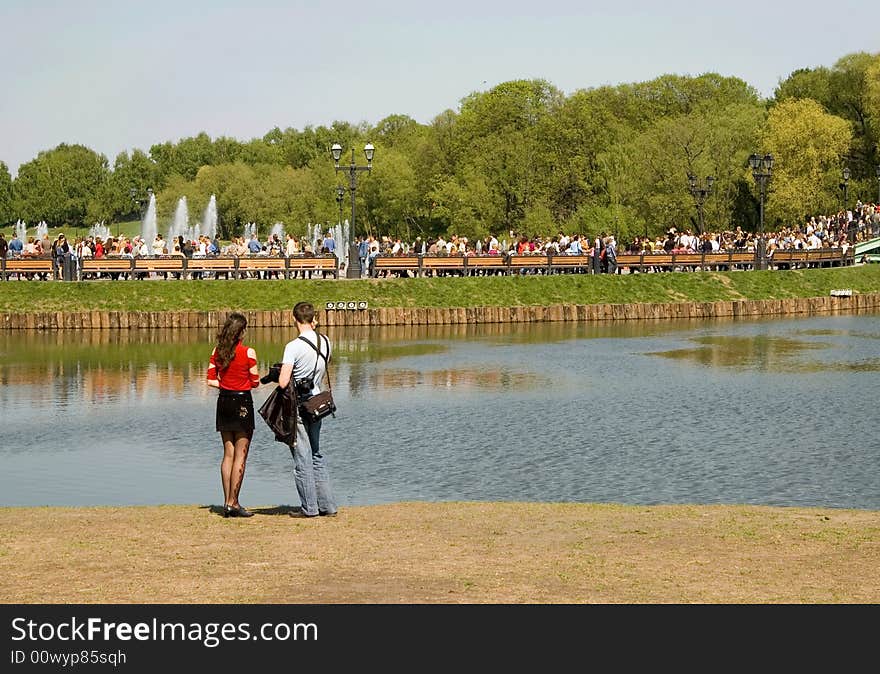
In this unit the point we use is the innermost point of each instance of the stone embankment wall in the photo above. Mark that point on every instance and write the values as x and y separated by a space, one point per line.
88 320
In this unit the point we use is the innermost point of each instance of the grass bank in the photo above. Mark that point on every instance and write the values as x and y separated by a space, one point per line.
213 295
442 553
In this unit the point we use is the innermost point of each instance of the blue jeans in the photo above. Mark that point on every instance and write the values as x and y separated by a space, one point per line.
310 471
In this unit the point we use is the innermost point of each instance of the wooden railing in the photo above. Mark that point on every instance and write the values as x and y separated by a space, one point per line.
175 267
429 265
42 268
418 265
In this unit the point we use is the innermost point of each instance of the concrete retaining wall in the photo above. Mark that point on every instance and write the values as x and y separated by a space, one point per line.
115 320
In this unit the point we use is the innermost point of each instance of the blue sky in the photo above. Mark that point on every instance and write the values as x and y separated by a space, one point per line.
121 75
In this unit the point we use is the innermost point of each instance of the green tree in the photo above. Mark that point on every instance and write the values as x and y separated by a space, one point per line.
390 196
844 90
7 205
466 205
499 134
60 184
651 171
808 145
135 171
184 158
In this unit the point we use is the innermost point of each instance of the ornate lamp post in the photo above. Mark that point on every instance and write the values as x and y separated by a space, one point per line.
340 197
844 187
762 171
352 169
699 193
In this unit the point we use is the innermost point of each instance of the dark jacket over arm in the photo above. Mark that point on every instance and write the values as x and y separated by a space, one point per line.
279 411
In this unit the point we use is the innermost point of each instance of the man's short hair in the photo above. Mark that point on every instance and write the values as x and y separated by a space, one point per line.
304 312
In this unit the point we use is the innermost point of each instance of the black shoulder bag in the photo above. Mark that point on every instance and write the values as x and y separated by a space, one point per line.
321 404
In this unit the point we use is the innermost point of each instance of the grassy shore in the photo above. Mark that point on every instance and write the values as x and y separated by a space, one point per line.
442 553
161 295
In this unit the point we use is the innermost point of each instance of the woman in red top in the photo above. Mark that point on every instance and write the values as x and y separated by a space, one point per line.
233 370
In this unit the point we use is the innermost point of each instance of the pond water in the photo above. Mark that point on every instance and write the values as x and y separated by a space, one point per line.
775 412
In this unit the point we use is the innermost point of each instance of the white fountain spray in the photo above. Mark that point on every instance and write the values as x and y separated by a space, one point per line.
180 223
278 230
315 235
249 230
42 230
21 231
343 241
99 231
209 220
149 228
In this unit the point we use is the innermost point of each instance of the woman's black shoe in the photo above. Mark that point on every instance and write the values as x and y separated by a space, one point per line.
227 511
238 511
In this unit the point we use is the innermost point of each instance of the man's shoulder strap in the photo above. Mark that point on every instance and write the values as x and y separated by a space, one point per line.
317 348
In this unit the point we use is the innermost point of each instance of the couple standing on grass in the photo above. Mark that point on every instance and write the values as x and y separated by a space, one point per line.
233 370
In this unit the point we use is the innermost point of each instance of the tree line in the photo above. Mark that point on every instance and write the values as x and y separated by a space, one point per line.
521 156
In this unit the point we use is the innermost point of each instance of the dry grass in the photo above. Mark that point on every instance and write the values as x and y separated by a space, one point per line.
442 553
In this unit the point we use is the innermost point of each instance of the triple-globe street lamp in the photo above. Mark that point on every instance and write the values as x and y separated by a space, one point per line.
762 171
352 169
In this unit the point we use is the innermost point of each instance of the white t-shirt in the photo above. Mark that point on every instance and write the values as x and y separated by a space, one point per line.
303 358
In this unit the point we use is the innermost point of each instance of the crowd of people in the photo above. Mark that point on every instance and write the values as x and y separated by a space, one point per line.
838 230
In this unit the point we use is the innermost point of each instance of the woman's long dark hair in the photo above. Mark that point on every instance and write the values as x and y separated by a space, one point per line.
228 338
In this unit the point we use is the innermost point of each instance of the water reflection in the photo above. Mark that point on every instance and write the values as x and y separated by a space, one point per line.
776 412
460 379
772 353
765 352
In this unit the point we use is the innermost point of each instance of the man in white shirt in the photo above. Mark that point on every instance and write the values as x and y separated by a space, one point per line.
158 245
304 365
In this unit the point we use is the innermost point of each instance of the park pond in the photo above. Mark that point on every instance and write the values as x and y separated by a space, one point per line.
779 412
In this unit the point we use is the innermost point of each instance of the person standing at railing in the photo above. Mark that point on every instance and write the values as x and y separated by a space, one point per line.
158 245
363 247
329 243
611 254
291 247
16 246
596 250
372 255
4 246
60 255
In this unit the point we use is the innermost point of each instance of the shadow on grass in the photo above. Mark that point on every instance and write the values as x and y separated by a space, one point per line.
266 510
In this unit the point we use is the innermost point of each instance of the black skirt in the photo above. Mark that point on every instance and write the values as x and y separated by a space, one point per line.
235 411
